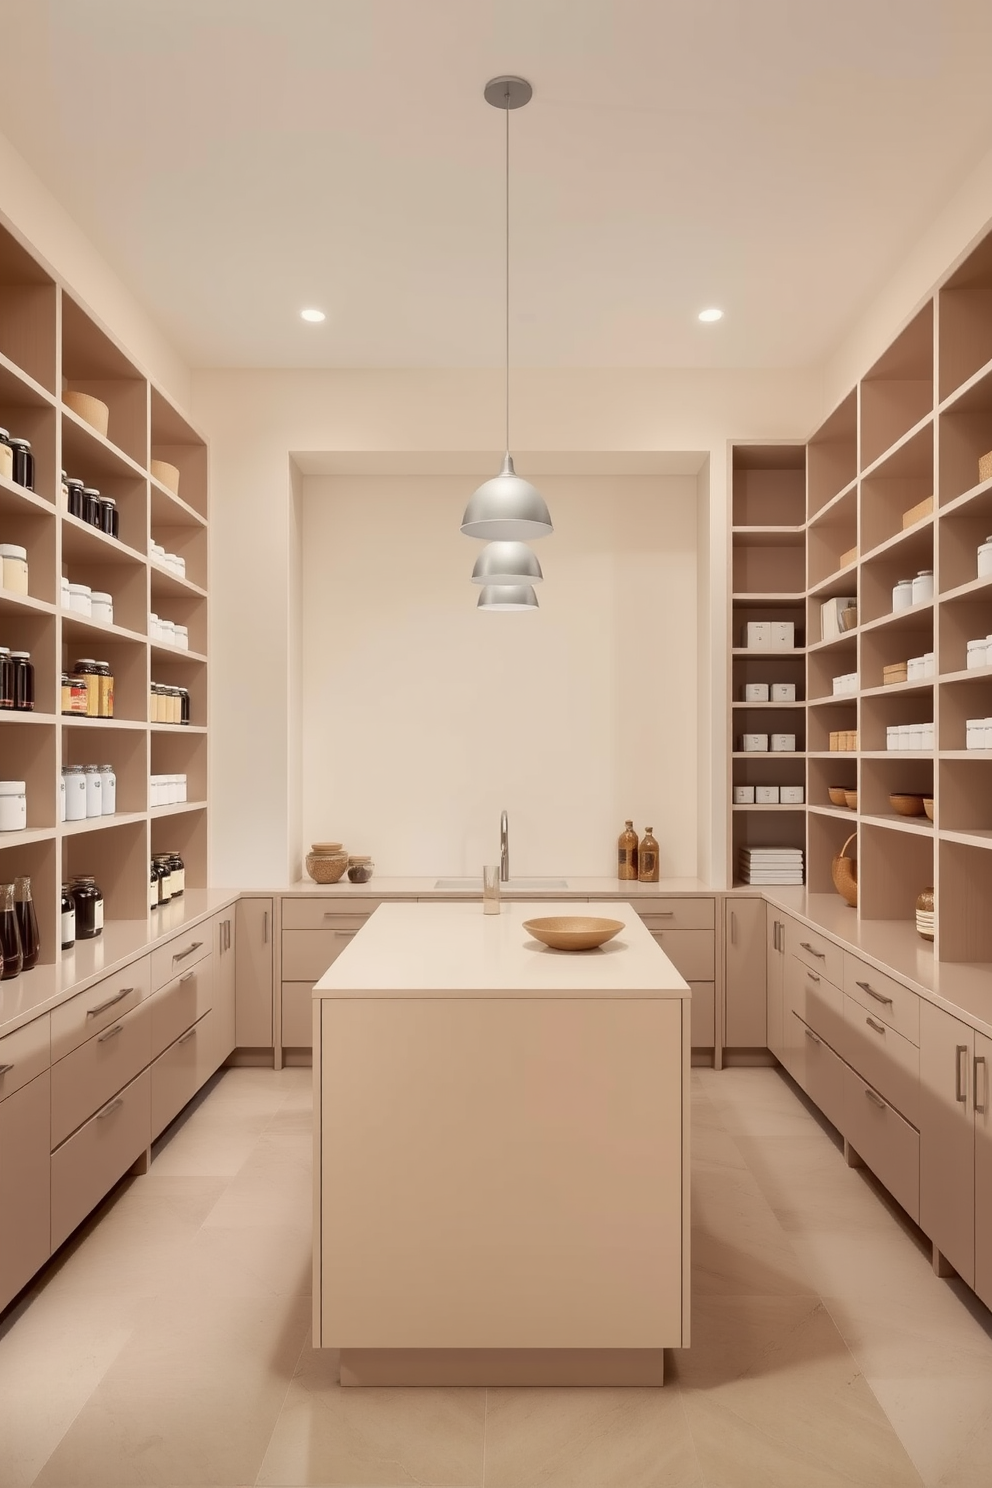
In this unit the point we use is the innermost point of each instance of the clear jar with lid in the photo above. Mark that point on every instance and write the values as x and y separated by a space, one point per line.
6 678
902 595
86 671
360 869
94 790
75 792
14 568
23 681
108 799
6 456
88 899
75 500
178 875
923 586
106 679
91 506
13 806
23 463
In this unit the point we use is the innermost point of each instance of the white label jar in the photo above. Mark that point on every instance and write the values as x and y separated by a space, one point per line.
94 790
81 598
976 655
974 733
182 637
923 586
13 806
902 595
108 787
167 632
14 568
102 607
62 796
985 559
75 793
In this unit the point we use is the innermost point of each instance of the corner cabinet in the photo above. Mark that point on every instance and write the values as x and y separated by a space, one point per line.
956 1145
254 1014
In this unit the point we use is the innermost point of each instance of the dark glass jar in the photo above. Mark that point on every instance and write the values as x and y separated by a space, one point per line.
75 501
91 505
89 907
68 919
178 868
86 672
106 683
23 680
10 935
161 874
109 517
152 886
184 709
65 693
27 922
6 678
23 463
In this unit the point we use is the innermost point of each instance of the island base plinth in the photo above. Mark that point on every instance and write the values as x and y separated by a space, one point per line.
494 1367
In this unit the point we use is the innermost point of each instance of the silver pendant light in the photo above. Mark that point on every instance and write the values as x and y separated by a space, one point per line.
507 597
507 508
507 563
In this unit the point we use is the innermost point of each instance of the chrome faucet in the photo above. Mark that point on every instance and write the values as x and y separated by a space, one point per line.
504 847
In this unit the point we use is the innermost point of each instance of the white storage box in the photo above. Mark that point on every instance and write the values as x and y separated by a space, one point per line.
830 613
783 743
783 692
792 795
755 743
756 692
766 795
743 795
758 635
845 684
783 635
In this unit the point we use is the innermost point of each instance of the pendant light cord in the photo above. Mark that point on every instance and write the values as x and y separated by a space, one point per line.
508 269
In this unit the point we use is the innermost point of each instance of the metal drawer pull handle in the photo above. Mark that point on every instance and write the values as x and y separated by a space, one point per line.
187 1036
181 955
878 1027
811 976
265 928
875 1099
115 1105
980 1060
345 934
5 1068
103 1006
663 914
811 1035
878 996
187 978
110 1033
820 955
960 1075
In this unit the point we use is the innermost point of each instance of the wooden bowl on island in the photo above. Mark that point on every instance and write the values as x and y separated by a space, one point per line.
573 932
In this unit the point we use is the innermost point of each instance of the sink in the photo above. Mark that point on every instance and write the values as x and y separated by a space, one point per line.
514 885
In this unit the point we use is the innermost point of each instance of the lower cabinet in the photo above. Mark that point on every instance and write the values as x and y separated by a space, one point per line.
982 1069
89 1163
179 1071
745 1025
775 980
254 936
297 1015
885 1142
221 1042
702 1015
947 1137
824 1073
25 1185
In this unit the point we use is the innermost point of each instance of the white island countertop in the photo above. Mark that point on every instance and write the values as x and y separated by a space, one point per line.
454 950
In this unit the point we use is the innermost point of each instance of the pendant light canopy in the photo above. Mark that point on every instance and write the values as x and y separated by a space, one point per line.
507 597
507 508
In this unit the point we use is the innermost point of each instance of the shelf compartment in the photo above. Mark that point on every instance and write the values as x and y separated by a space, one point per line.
831 536
92 362
962 531
827 835
880 712
126 749
184 830
165 582
126 583
35 529
128 661
767 827
898 391
965 802
838 770
960 622
774 569
181 754
960 701
82 543
827 662
130 492
184 609
890 880
26 420
965 320
176 669
96 459
832 455
26 629
885 644
769 485
828 718
838 581
881 778
37 860
881 573
27 313
29 754
118 857
965 434
174 439
964 894
768 667
899 482
169 511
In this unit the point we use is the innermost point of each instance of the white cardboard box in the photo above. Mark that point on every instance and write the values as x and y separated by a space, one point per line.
755 743
783 692
783 743
792 795
756 692
783 635
758 635
743 795
766 795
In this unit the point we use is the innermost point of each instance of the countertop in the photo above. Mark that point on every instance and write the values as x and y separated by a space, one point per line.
454 950
423 888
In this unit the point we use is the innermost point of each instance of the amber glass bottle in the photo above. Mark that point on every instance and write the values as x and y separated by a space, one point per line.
627 852
647 858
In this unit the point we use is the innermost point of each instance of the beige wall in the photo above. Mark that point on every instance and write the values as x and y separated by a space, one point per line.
423 716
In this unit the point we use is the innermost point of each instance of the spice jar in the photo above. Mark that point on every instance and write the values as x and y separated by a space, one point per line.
86 671
23 681
360 869
88 900
91 506
68 919
6 678
13 806
152 887
14 568
75 792
108 799
6 456
94 790
106 677
902 595
109 519
178 875
74 500
23 463
923 586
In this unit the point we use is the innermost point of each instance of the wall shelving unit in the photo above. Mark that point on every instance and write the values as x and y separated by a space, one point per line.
49 342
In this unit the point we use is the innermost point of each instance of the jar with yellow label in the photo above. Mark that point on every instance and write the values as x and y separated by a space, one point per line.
106 695
86 671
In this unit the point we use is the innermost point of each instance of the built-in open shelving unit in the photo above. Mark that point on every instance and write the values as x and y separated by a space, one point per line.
49 343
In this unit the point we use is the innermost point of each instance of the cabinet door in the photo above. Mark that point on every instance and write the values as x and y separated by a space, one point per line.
745 984
25 1213
947 1137
253 994
222 1040
775 981
981 1074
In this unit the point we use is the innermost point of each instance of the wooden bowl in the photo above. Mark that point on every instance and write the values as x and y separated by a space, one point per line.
573 932
851 799
837 794
904 805
167 475
91 410
928 807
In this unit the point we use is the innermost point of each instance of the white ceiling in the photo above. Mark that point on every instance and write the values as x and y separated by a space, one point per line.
236 160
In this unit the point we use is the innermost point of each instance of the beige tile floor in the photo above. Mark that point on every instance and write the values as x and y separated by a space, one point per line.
169 1342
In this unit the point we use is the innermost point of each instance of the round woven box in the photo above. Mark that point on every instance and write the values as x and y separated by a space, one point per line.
327 862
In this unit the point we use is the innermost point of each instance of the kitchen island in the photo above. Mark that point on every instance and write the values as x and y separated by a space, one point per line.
501 1152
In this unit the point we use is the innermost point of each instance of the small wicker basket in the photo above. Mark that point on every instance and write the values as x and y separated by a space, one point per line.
844 872
985 467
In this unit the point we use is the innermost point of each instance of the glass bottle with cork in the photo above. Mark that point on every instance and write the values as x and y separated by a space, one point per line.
647 858
627 853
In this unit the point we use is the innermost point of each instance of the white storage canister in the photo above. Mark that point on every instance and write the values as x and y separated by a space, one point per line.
81 599
108 799
974 737
102 606
153 627
64 593
182 637
94 790
985 558
75 793
14 568
167 632
13 806
902 595
928 663
923 586
62 796
976 655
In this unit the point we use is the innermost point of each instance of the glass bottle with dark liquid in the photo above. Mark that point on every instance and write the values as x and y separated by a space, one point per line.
27 923
10 935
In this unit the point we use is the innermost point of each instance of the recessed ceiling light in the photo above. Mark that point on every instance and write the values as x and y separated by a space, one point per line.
711 314
314 316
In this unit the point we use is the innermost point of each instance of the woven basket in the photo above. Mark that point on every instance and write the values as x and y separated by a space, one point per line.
985 467
844 872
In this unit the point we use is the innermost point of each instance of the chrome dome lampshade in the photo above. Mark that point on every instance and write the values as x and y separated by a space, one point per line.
506 563
507 509
507 597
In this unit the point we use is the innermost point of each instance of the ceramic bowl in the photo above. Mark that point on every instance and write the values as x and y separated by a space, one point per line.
906 805
573 932
837 794
851 799
91 410
928 807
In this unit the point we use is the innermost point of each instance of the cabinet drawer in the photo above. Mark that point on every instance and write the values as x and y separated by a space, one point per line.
98 1007
25 1186
177 1074
887 1144
297 1015
816 951
24 1054
677 914
702 1015
317 914
179 954
883 1058
89 1164
885 998
306 954
177 1007
817 1001
86 1079
691 952
825 1079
